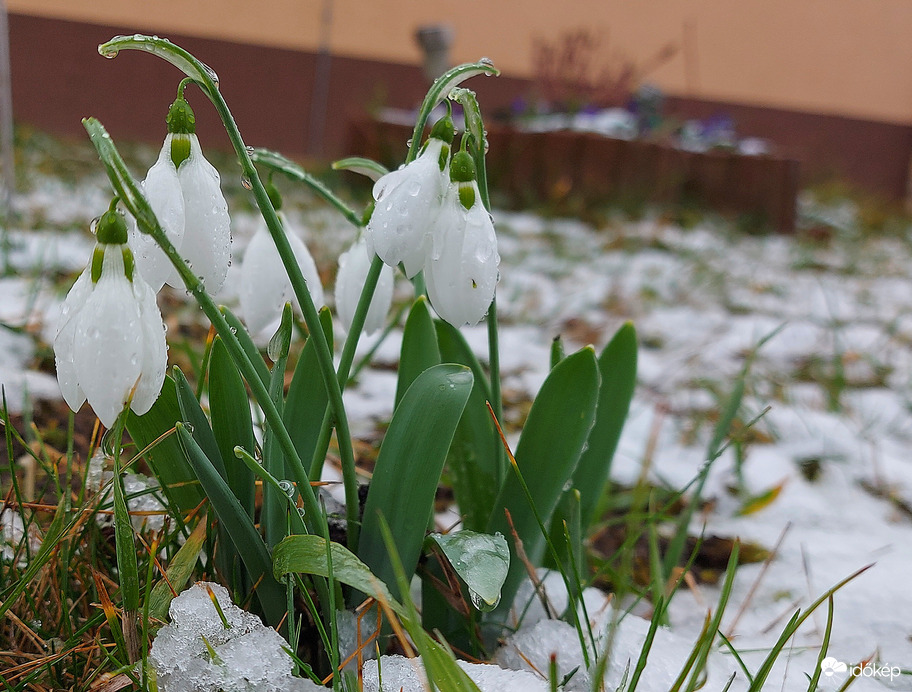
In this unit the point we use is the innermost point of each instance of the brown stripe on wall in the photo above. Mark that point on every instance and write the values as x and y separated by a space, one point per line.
58 78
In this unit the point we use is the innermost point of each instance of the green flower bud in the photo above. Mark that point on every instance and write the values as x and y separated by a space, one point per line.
443 129
111 228
462 168
274 196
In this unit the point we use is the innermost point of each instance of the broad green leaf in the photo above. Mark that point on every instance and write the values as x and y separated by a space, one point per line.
179 570
480 560
473 457
306 554
232 425
307 399
419 347
549 448
198 423
166 459
239 528
409 465
617 367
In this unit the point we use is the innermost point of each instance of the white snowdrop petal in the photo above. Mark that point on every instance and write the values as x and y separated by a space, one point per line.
155 351
64 341
261 283
264 284
109 340
162 189
207 227
461 269
308 269
407 202
354 264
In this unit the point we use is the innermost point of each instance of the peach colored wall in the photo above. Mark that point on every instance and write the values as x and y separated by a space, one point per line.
841 57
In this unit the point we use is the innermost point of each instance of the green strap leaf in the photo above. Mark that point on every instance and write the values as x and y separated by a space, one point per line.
547 454
306 401
193 414
473 457
246 343
229 409
412 457
177 480
239 528
617 367
419 346
362 166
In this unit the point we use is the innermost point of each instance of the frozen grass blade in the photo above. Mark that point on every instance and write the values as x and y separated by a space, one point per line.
177 574
239 527
797 619
547 453
413 453
419 347
824 646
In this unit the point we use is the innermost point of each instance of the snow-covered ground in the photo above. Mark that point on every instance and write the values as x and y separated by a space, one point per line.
701 299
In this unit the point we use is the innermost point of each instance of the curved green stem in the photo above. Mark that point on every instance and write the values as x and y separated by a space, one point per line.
207 80
277 162
439 91
132 198
346 359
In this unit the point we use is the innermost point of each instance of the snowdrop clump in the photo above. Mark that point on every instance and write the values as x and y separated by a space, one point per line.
110 344
429 220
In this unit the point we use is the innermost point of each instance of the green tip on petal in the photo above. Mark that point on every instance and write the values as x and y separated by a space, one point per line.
180 118
180 149
462 168
443 129
111 228
274 195
467 196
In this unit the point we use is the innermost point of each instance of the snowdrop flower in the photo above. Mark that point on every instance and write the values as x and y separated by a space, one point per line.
264 284
354 264
110 343
461 269
184 191
407 200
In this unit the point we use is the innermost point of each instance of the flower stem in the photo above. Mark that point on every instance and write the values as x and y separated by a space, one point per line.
277 162
133 200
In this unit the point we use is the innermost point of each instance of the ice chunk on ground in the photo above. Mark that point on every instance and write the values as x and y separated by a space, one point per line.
247 655
402 674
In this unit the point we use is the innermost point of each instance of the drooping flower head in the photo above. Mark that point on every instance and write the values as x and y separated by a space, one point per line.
407 201
184 191
461 268
264 284
354 264
110 343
